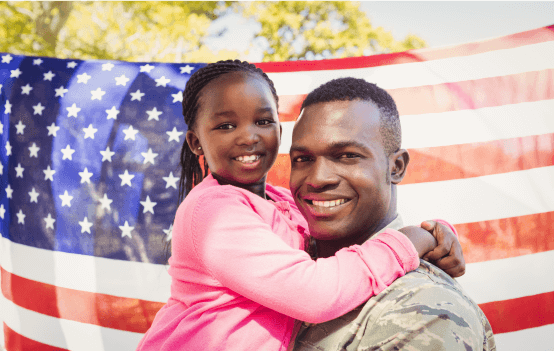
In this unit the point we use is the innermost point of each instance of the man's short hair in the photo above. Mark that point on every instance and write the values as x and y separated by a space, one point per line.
348 89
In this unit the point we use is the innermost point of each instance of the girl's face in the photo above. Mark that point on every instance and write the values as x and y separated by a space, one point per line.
238 128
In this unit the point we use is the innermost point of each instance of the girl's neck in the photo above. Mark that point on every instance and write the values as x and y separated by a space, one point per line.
257 188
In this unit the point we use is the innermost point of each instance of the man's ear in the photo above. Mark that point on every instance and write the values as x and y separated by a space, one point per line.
194 143
398 164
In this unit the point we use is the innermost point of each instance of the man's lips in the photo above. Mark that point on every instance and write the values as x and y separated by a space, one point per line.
324 207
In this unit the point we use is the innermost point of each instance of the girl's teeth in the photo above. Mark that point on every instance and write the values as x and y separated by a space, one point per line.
248 159
329 203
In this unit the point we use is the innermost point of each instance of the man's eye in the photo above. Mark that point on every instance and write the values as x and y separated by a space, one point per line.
301 159
349 155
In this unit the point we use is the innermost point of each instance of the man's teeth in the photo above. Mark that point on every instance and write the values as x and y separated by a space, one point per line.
248 159
329 203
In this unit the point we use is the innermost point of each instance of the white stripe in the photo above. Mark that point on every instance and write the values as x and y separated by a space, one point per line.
478 199
139 280
466 126
65 334
534 57
509 278
536 339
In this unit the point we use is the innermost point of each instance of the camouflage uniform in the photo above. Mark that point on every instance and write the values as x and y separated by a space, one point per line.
424 310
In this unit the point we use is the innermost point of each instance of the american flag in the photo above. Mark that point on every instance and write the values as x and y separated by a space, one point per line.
89 168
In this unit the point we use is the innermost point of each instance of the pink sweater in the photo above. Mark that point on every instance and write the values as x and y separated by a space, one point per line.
240 276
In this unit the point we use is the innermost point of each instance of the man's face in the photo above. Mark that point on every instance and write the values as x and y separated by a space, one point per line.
339 176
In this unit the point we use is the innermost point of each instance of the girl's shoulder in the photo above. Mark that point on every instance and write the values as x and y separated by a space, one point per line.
278 193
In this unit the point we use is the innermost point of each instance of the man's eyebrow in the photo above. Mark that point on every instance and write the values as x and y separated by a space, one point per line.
335 146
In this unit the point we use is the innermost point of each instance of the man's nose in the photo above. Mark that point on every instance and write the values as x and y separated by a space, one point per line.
322 174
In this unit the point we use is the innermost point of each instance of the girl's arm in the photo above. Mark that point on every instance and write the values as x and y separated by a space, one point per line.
242 253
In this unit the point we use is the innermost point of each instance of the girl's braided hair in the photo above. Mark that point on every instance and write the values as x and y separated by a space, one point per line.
191 172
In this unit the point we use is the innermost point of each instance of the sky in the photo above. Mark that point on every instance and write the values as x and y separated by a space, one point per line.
439 23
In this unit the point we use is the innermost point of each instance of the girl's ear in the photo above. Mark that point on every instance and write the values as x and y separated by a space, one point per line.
280 133
194 143
398 164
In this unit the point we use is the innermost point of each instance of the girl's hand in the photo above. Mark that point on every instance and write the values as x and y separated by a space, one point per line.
448 254
423 241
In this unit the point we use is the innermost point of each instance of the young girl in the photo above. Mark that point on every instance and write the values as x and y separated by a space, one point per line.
240 275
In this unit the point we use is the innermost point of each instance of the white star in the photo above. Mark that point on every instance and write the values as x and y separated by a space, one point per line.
130 133
37 62
168 232
73 110
33 149
7 58
126 178
15 73
146 68
20 127
8 148
66 199
48 174
178 96
174 134
97 94
49 221
107 154
53 129
105 202
170 181
67 153
19 171
61 91
83 78
38 109
121 80
1 88
187 69
1 168
137 95
162 81
2 211
85 226
48 76
72 64
9 191
112 113
149 156
89 131
148 205
1 128
107 66
85 176
26 89
154 114
8 107
34 195
126 229
20 217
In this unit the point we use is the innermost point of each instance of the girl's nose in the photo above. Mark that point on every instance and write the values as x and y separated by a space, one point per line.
248 136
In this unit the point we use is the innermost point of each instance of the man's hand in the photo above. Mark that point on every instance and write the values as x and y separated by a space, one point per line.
448 254
423 241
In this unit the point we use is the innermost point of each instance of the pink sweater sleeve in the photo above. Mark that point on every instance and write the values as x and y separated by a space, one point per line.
241 252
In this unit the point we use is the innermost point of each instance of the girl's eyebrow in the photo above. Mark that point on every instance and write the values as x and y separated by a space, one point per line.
232 113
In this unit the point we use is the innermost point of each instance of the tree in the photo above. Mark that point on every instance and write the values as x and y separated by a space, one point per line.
179 31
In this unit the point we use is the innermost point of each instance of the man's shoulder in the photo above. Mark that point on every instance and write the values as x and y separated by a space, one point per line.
426 309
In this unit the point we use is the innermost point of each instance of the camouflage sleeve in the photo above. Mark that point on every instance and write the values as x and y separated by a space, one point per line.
430 316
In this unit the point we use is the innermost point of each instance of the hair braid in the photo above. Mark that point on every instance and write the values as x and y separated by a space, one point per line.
191 172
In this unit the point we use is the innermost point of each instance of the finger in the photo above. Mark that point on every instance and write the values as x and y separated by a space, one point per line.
437 253
455 272
449 262
428 225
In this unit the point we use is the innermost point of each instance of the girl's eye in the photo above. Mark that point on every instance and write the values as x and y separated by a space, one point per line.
225 126
265 122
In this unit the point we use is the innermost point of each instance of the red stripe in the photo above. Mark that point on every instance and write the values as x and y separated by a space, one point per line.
507 42
521 313
466 95
17 342
479 159
507 237
108 311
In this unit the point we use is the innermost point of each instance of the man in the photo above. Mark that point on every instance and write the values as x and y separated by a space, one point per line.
346 150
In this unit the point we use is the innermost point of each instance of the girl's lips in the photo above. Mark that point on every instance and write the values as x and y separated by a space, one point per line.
250 165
